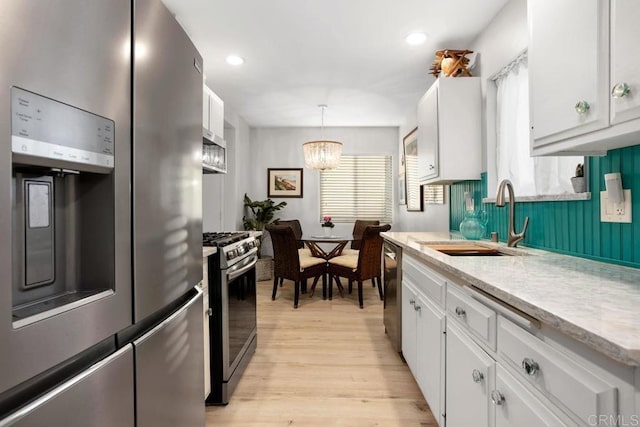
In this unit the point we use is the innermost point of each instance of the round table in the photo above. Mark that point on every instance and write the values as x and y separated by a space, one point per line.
312 242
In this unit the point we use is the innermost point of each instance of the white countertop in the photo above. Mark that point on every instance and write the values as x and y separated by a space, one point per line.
594 302
208 250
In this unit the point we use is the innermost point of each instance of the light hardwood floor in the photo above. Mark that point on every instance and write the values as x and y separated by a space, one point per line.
328 363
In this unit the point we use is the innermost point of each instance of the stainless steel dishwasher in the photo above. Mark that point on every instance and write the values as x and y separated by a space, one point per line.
393 294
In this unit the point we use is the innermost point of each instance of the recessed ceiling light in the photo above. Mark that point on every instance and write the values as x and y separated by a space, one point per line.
235 60
416 39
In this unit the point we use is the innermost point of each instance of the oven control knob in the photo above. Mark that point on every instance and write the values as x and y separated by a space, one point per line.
232 254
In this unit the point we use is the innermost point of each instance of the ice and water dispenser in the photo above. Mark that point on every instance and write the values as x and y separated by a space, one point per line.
62 206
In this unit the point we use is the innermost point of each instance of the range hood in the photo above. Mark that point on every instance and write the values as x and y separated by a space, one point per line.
214 153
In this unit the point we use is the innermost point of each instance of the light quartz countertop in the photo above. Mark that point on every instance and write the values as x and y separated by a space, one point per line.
208 250
594 302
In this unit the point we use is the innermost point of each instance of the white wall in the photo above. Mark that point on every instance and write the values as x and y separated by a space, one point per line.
497 45
222 194
282 148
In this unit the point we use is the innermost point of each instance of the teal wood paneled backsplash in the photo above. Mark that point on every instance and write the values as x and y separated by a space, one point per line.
571 227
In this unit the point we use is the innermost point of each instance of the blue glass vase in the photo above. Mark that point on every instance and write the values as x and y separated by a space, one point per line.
474 224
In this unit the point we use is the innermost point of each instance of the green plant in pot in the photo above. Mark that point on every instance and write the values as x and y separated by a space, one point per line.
258 215
262 213
579 182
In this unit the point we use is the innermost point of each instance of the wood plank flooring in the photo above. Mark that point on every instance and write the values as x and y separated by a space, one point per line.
328 363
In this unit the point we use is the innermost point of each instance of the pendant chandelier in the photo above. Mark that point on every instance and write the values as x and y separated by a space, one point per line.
322 154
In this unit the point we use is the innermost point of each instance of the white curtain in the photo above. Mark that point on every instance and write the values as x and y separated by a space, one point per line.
531 176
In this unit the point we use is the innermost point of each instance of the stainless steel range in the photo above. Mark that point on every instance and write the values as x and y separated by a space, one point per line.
232 303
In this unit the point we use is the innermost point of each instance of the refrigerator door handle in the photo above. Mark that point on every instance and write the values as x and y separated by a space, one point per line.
169 319
236 271
61 389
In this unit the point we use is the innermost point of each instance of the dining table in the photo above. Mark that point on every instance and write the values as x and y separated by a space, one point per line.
314 242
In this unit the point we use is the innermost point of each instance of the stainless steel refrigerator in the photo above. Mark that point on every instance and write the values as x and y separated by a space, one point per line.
167 218
100 216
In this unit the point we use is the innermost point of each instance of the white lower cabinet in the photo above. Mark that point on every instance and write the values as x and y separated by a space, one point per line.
517 406
430 348
495 368
470 374
423 339
409 326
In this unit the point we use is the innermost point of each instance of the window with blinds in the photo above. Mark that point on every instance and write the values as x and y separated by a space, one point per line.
360 188
433 194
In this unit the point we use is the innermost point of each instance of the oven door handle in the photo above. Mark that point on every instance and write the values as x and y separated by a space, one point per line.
240 269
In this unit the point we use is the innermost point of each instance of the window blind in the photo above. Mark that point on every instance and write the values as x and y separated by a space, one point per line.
433 194
360 188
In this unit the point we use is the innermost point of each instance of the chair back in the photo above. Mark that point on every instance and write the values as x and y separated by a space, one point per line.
297 229
370 255
358 231
286 262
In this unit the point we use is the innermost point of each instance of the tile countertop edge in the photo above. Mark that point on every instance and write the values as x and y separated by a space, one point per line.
616 351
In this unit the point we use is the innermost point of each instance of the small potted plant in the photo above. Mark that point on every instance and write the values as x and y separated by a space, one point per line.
327 225
261 213
578 182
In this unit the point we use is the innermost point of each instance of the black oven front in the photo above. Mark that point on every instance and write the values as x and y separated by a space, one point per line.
233 320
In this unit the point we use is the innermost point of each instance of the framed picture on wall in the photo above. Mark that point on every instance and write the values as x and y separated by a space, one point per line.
413 189
284 182
402 197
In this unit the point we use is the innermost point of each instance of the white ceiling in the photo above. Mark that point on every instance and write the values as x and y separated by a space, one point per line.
349 54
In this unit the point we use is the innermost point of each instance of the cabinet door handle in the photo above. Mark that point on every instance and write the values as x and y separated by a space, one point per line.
209 312
412 301
530 366
620 90
431 167
582 107
477 376
497 398
460 312
417 308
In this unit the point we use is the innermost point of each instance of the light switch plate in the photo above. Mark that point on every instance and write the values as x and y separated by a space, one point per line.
615 212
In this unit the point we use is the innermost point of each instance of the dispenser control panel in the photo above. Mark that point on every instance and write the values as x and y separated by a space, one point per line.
43 127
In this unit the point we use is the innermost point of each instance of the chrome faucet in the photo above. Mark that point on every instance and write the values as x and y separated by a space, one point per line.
514 238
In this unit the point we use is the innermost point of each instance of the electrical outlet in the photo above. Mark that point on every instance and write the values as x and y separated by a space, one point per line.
615 212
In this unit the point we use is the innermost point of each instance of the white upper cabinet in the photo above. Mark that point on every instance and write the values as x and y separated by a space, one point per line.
625 60
583 81
428 135
568 65
213 112
449 131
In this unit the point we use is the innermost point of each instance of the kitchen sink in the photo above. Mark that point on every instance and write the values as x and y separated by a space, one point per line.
463 248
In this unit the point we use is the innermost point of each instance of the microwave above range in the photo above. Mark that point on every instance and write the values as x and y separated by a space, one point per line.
214 153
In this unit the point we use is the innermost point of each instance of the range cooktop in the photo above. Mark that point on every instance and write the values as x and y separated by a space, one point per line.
221 239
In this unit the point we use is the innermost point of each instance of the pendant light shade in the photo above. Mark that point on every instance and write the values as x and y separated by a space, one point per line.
322 154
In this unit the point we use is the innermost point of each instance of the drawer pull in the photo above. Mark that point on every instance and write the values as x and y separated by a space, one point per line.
530 366
412 301
460 312
477 376
582 107
620 90
417 307
497 398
